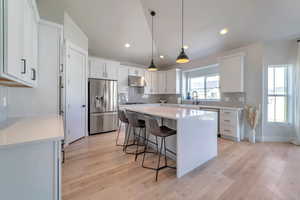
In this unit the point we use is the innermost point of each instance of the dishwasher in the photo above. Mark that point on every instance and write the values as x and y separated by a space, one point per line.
217 110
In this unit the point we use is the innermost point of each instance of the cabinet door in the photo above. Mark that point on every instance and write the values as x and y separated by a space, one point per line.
35 62
162 82
232 73
123 79
148 82
173 81
97 69
14 24
154 80
111 69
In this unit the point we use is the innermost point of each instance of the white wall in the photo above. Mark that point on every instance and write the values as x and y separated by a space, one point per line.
252 72
43 99
74 34
3 98
276 53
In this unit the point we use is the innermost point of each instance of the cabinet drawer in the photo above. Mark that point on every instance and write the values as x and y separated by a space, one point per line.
228 130
228 121
228 114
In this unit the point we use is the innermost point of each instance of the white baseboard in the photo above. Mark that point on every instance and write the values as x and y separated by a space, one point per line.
275 139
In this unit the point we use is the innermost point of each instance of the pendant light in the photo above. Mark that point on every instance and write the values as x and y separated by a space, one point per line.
182 58
152 67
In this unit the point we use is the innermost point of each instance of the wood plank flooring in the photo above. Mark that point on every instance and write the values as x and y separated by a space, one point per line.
97 169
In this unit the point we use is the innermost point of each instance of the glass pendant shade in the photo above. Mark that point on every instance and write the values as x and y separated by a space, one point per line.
182 58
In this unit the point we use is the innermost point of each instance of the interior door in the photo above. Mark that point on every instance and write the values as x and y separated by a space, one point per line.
76 60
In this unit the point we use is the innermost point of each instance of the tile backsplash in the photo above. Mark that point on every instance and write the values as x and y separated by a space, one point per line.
3 103
137 95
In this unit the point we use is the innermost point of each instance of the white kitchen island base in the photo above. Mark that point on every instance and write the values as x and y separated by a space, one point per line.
196 138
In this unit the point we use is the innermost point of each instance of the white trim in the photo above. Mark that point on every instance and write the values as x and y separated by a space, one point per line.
49 23
276 139
68 44
36 10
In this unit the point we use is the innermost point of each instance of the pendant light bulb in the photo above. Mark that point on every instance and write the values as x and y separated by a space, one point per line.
182 58
152 67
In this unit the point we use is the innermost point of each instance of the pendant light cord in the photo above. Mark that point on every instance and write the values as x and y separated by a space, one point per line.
152 37
182 23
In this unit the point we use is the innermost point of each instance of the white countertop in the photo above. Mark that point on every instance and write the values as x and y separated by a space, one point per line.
167 111
215 106
31 129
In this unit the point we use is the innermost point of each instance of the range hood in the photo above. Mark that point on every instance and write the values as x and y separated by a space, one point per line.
136 81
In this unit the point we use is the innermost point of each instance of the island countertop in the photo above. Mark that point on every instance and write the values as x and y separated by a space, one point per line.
31 129
168 112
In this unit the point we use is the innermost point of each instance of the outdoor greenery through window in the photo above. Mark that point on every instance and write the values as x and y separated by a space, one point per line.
277 93
207 87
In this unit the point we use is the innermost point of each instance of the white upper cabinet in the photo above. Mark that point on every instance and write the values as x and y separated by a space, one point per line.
135 71
123 79
154 83
173 81
19 31
162 82
232 73
103 69
148 83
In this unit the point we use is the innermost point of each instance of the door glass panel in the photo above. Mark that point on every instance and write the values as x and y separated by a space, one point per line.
280 108
271 109
271 80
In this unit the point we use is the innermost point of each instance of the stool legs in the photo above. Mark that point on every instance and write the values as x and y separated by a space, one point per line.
118 134
159 151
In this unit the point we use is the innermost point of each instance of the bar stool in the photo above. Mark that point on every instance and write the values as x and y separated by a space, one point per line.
135 123
123 120
161 132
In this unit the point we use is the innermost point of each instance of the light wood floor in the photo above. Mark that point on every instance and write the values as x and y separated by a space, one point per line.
96 169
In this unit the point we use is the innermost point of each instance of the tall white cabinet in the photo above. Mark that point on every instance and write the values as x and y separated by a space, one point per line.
19 36
232 73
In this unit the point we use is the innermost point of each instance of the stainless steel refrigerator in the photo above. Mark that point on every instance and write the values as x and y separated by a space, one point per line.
103 100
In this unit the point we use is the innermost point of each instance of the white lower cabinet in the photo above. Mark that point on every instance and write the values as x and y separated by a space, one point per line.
19 34
231 124
31 171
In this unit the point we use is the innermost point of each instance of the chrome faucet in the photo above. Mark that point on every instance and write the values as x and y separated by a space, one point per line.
195 97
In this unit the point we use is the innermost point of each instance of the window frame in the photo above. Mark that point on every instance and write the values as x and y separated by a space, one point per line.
205 86
286 94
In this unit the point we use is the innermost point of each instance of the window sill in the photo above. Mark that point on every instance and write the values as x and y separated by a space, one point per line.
282 124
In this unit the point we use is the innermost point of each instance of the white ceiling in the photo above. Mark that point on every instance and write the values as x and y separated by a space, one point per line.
110 24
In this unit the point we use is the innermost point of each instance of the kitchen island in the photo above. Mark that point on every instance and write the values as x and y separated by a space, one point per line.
196 139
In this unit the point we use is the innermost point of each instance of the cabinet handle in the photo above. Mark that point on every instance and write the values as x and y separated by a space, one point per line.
226 120
227 130
24 66
33 77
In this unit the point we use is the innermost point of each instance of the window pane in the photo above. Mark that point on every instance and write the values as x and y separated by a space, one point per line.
280 108
212 81
201 94
197 83
280 82
271 109
213 93
271 80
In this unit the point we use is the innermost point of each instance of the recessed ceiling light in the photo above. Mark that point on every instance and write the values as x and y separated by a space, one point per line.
127 45
161 56
223 31
185 46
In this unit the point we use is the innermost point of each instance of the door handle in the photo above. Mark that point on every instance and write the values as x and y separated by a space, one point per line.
24 66
83 106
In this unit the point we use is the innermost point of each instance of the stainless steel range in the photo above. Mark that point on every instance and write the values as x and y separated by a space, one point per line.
103 106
